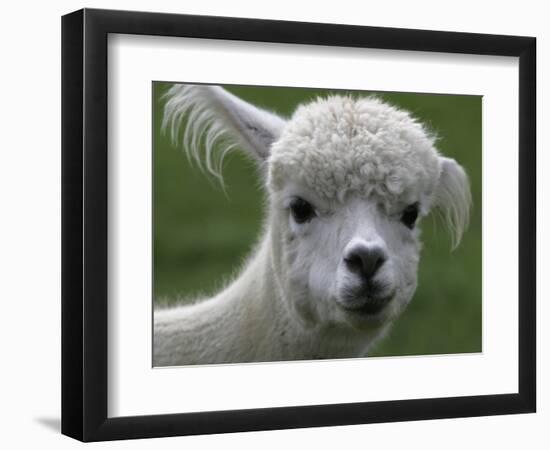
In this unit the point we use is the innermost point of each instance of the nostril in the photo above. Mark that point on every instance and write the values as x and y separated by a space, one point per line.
365 261
354 263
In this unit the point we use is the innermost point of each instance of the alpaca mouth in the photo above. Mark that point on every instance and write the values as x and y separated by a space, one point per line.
369 307
365 303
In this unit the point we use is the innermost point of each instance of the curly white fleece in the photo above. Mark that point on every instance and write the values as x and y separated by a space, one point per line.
341 144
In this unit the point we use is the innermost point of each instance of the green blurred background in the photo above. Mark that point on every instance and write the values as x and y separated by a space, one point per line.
202 235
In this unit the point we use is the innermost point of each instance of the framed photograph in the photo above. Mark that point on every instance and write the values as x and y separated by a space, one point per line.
274 224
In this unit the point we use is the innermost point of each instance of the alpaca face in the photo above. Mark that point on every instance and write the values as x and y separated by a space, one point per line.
349 262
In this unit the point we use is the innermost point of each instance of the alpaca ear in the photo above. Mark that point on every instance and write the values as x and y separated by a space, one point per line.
214 116
453 197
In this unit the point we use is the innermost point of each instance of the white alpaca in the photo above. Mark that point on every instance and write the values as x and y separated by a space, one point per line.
347 180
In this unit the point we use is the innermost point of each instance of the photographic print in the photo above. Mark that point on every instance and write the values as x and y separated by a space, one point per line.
304 224
314 212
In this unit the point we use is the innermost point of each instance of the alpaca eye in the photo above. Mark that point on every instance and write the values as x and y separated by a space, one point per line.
409 215
301 210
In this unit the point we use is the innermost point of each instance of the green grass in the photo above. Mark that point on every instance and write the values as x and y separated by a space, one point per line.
202 235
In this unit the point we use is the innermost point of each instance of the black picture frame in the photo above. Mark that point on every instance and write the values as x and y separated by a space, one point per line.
84 224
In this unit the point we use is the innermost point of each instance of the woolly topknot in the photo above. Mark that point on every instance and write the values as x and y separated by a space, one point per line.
341 144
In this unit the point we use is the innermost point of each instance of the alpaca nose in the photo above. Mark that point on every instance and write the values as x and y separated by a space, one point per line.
365 260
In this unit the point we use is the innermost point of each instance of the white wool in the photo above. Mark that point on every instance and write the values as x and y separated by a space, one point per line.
358 163
341 144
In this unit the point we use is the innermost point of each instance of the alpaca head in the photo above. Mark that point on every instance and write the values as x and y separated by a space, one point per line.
348 181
